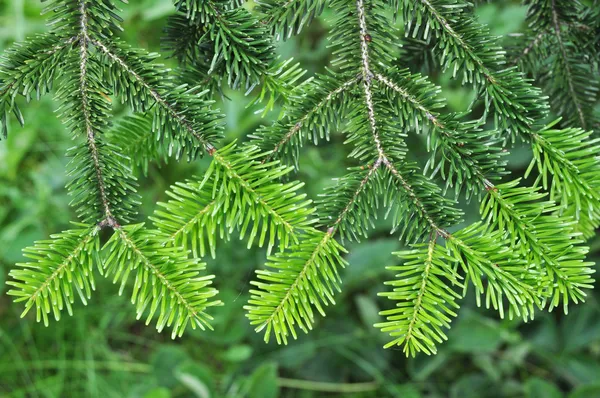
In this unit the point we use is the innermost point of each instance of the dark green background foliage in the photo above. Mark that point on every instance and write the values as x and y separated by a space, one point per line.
102 351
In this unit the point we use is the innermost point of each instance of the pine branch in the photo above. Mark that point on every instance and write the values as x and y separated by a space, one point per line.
426 299
241 192
466 46
568 163
222 36
181 114
316 108
288 19
26 70
295 283
62 268
167 283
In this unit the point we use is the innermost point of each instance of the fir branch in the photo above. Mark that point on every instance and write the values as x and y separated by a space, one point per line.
564 56
547 241
226 35
528 48
568 163
241 192
26 70
567 68
483 253
85 111
191 217
323 102
463 43
166 280
61 266
468 158
285 20
250 192
295 281
426 299
189 117
348 207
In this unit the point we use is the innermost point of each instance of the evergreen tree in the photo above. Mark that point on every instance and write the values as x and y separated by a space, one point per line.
527 253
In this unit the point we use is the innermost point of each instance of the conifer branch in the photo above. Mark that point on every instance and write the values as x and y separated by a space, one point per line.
296 127
60 265
354 197
410 330
186 124
298 280
569 166
426 299
240 192
289 18
191 218
527 252
368 75
27 69
529 47
85 109
166 280
564 59
463 42
569 74
233 41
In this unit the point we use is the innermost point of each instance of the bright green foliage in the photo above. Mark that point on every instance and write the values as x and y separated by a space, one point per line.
569 165
81 57
167 283
428 279
474 56
558 50
239 192
295 284
487 256
192 217
546 240
515 257
62 268
526 253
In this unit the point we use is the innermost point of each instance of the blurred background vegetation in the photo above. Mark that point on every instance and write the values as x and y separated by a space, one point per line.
102 351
